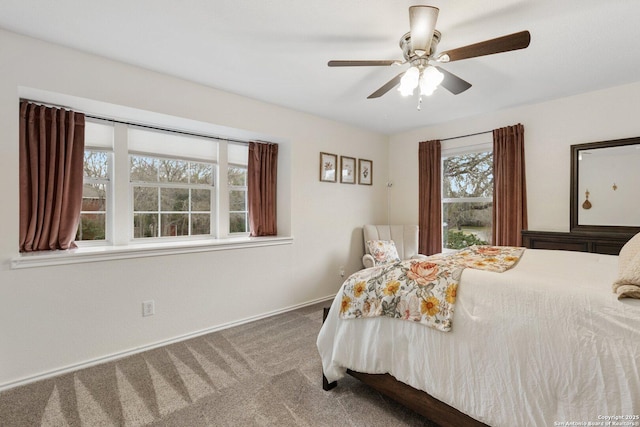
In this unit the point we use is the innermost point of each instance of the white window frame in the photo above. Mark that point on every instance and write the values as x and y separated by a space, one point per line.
453 152
109 205
159 184
246 200
109 197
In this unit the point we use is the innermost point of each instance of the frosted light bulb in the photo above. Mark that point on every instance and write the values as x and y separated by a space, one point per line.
409 81
430 80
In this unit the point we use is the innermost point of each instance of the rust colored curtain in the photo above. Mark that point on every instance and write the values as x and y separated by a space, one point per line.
262 172
51 169
429 204
509 191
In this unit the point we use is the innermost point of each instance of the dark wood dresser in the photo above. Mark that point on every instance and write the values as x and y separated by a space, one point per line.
602 243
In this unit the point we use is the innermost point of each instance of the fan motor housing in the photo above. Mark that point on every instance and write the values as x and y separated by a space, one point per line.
405 45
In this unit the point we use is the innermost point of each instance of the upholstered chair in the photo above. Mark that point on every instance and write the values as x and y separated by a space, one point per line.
405 238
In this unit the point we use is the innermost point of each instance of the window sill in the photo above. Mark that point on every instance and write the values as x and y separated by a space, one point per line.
108 253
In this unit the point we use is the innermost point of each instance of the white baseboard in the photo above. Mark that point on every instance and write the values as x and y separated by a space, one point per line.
122 354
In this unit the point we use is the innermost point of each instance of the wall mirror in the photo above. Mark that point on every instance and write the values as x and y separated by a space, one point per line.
605 186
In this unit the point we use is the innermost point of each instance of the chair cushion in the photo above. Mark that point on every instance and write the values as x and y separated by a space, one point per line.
405 237
383 251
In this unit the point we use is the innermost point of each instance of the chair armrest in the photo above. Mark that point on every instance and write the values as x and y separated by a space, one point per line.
368 261
419 257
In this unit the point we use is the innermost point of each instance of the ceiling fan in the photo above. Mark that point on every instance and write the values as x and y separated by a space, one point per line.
419 49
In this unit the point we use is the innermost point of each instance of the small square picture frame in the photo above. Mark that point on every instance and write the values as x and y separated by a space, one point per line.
365 172
328 167
347 170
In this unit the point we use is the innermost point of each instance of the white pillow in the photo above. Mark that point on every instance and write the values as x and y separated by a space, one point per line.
628 253
628 283
383 251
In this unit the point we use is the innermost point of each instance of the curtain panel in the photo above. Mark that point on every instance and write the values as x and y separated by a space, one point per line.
51 173
262 172
510 192
429 204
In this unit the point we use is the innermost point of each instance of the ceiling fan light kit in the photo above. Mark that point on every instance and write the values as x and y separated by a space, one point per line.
427 78
418 49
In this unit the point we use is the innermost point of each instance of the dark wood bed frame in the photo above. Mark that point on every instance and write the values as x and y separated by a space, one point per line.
417 400
439 412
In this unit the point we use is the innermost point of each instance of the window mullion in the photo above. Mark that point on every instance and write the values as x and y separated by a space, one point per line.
467 200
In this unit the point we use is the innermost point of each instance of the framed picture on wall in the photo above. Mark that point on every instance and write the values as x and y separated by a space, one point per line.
348 170
365 172
328 167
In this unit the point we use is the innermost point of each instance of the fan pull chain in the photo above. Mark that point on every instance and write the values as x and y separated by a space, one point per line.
419 102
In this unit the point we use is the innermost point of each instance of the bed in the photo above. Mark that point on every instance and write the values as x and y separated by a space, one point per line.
546 342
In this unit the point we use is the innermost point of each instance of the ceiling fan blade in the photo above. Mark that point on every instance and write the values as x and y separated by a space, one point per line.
507 43
422 21
387 86
453 83
362 63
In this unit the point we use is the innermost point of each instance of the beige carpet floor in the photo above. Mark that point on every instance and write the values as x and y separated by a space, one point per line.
264 373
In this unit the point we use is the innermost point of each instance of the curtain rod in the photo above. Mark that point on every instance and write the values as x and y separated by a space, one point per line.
465 136
183 132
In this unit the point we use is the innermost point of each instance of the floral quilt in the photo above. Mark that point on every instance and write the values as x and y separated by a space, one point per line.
420 290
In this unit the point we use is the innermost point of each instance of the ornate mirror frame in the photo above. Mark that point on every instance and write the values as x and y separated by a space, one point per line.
574 197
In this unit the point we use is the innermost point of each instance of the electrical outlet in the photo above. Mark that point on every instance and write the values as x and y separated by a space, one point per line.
148 308
341 271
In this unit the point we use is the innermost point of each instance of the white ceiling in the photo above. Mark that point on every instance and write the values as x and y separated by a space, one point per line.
277 50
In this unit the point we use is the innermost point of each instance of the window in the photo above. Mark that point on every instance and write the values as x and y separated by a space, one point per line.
238 211
163 185
171 197
172 183
96 192
467 198
93 216
150 191
237 182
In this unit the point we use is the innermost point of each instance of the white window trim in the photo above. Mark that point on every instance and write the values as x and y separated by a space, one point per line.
246 200
158 184
140 250
109 217
474 146
109 192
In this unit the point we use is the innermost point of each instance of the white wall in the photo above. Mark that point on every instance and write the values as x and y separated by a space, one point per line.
54 317
550 128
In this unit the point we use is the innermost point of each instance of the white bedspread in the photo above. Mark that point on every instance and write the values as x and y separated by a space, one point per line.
544 343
